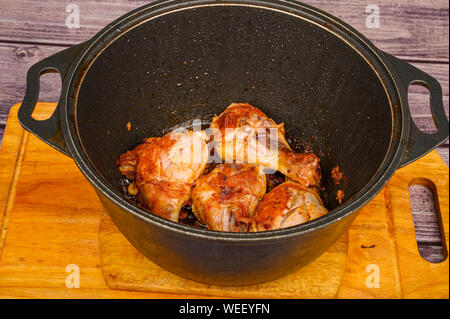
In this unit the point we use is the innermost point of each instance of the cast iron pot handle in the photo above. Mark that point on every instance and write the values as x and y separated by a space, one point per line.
420 143
48 130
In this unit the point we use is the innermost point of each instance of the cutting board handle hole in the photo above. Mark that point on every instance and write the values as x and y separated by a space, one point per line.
427 220
49 91
419 99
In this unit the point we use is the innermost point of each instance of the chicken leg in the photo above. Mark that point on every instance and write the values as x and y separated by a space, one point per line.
244 134
165 169
226 199
288 205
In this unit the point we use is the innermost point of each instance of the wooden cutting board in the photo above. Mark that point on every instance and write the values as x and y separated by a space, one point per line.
51 218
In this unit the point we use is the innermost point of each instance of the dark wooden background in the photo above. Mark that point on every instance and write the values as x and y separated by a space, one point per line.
416 31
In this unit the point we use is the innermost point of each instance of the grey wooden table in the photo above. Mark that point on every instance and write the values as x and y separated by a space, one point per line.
414 30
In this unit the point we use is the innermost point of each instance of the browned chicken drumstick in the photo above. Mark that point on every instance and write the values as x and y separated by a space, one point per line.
288 205
165 169
226 199
238 126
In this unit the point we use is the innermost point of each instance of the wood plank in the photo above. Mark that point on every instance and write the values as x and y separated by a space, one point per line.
126 269
24 292
45 22
371 242
426 223
408 271
10 148
409 29
412 274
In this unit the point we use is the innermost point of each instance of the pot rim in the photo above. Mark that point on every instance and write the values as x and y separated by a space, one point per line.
378 62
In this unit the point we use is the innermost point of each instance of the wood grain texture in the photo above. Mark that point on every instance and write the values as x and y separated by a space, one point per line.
408 270
409 29
413 274
382 235
372 242
43 234
11 149
426 223
126 269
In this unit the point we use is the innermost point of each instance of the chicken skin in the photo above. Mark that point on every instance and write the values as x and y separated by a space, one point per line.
286 206
226 199
244 134
164 170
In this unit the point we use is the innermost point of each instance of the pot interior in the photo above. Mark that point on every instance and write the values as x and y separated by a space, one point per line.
192 64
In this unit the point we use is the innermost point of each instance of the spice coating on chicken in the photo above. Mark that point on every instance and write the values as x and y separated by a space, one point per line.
165 169
242 127
286 206
226 199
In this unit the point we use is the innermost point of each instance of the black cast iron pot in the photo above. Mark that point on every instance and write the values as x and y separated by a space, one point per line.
174 61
